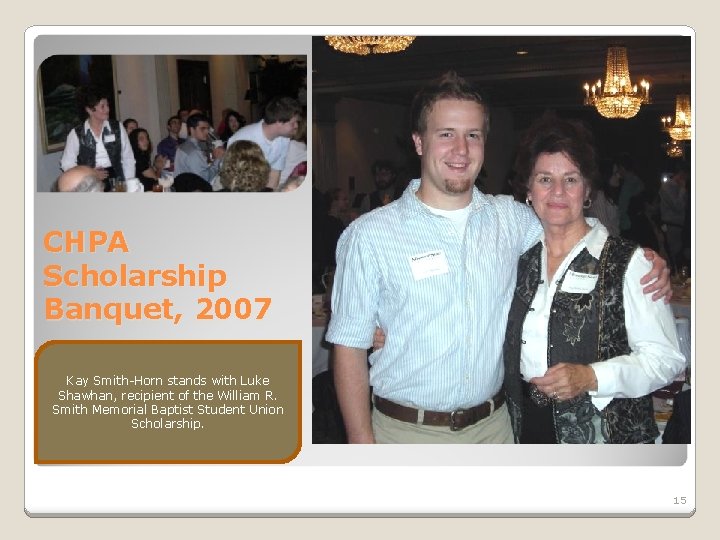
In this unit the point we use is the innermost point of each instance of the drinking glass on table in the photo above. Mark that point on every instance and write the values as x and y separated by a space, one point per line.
166 182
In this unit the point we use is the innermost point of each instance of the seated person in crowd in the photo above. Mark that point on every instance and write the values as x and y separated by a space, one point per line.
130 124
272 134
78 179
232 122
191 158
189 182
244 168
146 172
99 143
169 145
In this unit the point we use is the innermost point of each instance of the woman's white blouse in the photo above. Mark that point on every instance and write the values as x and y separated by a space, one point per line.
655 359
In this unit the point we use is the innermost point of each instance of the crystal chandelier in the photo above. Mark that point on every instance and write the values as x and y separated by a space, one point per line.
617 98
680 130
364 45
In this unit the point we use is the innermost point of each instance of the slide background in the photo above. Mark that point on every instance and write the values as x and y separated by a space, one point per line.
12 318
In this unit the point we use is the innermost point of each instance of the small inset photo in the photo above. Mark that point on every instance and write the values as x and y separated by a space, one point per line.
169 124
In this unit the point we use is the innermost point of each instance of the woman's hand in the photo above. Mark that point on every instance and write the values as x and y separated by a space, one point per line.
565 381
150 172
218 152
658 279
101 174
378 339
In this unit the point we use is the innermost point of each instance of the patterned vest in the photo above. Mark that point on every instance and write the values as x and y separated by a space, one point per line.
583 328
86 155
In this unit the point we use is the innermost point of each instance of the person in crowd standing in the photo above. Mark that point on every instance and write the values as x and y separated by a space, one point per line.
603 205
673 202
272 134
386 188
630 186
98 142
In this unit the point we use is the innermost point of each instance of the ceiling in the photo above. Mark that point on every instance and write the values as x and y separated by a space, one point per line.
550 75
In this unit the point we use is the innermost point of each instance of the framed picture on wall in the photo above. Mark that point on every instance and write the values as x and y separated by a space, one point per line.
60 78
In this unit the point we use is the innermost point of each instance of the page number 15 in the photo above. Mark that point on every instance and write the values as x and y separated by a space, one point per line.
680 500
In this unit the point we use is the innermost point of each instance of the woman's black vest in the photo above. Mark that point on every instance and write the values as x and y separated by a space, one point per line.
86 155
583 328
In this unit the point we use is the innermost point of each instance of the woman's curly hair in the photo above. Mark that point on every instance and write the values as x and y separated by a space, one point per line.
244 167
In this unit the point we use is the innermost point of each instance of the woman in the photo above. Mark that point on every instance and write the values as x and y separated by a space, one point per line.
232 122
142 150
98 142
584 346
244 168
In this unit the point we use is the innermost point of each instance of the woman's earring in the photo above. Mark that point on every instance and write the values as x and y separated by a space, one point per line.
587 204
528 201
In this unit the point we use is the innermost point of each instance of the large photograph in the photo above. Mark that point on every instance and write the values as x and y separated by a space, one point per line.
486 210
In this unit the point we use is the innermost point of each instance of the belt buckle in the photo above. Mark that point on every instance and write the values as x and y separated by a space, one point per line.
453 415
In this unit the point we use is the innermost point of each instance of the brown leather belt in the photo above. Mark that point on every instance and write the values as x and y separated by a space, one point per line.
455 420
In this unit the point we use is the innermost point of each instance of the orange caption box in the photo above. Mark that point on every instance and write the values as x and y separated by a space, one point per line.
170 402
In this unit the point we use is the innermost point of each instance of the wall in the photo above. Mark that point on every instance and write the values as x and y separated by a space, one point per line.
364 132
136 82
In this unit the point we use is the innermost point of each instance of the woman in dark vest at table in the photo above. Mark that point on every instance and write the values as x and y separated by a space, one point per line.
584 346
98 142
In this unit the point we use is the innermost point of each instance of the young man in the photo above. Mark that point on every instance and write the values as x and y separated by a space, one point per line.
436 271
272 134
386 188
169 145
190 158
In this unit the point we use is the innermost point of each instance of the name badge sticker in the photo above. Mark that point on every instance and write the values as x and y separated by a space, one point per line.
575 282
425 265
109 138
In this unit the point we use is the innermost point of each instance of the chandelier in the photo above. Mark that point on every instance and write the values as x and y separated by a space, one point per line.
674 149
617 98
680 130
364 45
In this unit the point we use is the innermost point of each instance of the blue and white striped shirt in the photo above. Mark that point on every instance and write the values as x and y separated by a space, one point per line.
444 333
